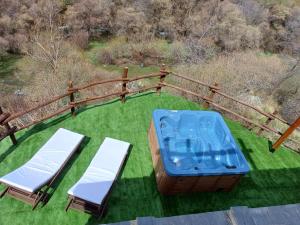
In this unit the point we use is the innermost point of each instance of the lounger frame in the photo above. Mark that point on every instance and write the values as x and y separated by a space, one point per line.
97 210
79 204
34 198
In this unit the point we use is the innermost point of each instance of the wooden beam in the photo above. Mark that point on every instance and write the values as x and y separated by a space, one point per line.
46 117
71 97
184 90
144 77
143 89
124 84
223 108
3 117
10 131
268 115
162 77
97 83
210 96
14 116
98 98
195 81
286 134
268 121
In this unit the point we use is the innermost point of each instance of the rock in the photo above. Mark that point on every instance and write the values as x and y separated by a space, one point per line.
19 93
251 99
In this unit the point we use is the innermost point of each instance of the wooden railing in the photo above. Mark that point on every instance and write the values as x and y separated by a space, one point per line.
286 135
6 119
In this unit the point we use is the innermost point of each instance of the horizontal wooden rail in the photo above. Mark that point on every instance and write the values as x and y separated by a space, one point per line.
264 127
16 115
143 89
75 89
10 131
97 83
221 93
268 115
144 77
196 81
245 104
184 90
286 134
223 108
97 98
46 117
295 141
113 94
5 118
281 120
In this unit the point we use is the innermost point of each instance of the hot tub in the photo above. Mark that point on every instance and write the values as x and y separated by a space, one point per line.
194 151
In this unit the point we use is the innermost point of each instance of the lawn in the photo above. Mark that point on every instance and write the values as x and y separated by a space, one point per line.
274 178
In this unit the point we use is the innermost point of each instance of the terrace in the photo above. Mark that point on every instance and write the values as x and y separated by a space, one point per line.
273 179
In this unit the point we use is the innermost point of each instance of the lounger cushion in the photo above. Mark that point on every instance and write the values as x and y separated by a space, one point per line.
97 180
45 163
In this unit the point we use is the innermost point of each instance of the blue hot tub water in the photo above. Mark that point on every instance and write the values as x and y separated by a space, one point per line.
197 143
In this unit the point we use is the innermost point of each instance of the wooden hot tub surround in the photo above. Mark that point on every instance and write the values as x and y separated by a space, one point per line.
170 185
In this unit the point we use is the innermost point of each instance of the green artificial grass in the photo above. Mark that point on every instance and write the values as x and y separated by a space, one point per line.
274 178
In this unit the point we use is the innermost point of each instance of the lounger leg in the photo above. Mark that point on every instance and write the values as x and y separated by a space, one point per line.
4 192
101 213
68 205
102 209
38 199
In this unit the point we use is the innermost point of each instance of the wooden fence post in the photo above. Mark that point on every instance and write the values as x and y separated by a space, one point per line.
9 130
71 97
124 83
286 134
161 78
268 121
210 96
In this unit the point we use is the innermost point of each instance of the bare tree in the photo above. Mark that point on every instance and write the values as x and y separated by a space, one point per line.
46 41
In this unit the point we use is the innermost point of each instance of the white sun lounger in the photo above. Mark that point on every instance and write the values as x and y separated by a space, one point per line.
90 193
26 182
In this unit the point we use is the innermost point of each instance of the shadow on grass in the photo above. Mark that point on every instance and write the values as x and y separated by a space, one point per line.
138 95
270 145
138 197
88 107
246 152
65 170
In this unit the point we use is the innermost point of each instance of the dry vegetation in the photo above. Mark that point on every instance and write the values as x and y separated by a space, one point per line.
240 73
46 83
230 25
248 76
246 46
